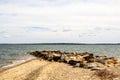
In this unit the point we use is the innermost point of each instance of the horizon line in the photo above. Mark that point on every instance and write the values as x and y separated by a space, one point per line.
61 43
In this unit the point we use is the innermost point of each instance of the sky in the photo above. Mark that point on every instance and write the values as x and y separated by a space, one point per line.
59 21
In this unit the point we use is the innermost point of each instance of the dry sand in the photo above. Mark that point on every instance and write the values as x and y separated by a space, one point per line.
43 70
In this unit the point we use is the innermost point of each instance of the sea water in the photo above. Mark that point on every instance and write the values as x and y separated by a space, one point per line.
14 54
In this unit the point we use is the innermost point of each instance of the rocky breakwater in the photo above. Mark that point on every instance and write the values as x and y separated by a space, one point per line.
84 60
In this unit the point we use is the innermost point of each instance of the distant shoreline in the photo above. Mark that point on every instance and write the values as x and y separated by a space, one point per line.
59 43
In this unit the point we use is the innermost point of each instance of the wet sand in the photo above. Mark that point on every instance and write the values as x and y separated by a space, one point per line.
37 69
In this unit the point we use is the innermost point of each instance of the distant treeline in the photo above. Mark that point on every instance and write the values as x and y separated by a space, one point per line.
59 43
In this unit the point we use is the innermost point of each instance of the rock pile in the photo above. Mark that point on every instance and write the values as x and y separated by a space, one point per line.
85 60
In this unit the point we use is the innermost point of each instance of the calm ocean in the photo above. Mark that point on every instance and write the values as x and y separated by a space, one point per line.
12 54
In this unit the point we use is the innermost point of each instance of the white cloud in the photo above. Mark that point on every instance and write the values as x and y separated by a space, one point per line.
74 17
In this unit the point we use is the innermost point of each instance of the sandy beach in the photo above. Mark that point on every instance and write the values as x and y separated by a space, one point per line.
37 69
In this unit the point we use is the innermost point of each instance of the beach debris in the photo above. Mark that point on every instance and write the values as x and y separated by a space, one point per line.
105 74
84 60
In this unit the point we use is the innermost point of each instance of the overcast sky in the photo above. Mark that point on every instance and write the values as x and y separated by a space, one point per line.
58 21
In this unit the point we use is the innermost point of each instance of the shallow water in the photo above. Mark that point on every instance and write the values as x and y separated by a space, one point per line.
10 54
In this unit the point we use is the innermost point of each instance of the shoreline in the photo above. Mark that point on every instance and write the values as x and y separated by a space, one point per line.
57 65
36 69
20 62
20 71
16 63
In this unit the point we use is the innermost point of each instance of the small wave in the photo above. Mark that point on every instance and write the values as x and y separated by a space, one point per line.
16 62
